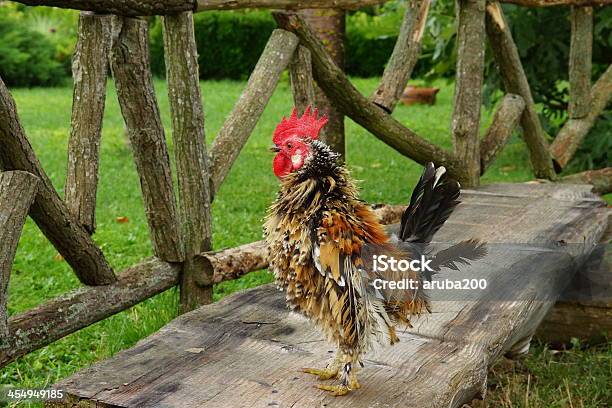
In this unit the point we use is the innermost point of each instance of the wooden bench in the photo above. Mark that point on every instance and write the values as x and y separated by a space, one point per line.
246 350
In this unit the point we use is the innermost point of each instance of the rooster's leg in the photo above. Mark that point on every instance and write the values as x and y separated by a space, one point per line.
329 372
348 382
348 378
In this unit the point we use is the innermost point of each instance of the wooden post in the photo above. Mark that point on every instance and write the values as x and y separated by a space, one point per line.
241 122
302 84
17 192
330 27
505 120
581 49
404 57
190 154
468 87
130 65
574 130
515 81
89 71
48 210
353 104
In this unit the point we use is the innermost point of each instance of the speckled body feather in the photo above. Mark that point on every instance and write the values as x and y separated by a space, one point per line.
315 232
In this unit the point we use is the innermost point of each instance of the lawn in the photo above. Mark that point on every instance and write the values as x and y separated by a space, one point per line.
386 176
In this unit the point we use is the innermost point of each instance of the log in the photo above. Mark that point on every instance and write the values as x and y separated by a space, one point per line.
82 307
404 57
203 5
242 120
601 179
130 66
48 210
246 350
465 125
549 3
302 84
515 81
329 25
190 153
574 130
581 52
134 8
505 119
353 104
89 72
17 192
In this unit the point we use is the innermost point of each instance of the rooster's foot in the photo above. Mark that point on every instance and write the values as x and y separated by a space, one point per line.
335 390
324 374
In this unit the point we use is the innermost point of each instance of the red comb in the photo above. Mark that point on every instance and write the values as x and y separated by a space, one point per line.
308 126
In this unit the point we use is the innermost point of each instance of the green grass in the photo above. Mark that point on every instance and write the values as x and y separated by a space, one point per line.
39 274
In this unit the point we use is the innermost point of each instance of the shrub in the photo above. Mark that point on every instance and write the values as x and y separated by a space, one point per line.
27 58
229 42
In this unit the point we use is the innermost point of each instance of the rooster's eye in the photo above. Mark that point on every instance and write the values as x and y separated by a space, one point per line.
289 145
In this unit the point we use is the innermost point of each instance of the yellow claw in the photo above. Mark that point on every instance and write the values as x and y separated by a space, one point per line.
324 374
335 390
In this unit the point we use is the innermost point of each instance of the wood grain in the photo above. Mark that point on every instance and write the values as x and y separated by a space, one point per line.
192 170
17 192
89 72
247 349
130 65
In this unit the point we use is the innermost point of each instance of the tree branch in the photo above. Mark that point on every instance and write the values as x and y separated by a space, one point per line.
505 120
404 57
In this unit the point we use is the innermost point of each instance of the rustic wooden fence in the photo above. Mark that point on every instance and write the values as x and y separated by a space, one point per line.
181 233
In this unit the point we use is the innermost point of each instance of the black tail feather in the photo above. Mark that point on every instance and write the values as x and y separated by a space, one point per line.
458 254
433 200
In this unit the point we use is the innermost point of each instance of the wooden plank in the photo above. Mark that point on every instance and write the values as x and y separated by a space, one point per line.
191 158
48 210
130 65
515 81
505 119
82 307
465 124
404 57
247 349
17 192
242 120
584 310
353 104
89 72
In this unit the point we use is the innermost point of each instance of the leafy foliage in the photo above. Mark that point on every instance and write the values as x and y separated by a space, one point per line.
37 44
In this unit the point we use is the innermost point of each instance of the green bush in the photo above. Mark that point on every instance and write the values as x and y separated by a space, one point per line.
27 58
229 43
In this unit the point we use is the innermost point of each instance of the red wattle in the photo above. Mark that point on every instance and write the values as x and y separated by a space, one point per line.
281 165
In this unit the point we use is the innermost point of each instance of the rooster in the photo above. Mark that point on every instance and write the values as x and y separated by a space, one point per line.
317 232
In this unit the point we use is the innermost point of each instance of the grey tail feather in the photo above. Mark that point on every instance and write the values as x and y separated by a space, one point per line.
433 200
458 254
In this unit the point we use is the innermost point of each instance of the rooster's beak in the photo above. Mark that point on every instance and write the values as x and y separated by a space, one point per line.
275 149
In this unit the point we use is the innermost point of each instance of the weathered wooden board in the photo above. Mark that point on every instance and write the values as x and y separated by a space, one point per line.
246 351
